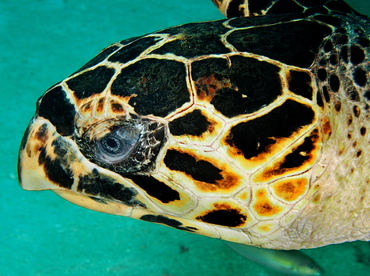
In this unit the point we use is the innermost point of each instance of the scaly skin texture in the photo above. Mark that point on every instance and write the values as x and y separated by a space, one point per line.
252 130
342 201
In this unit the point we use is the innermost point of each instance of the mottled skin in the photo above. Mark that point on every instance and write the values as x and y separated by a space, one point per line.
253 130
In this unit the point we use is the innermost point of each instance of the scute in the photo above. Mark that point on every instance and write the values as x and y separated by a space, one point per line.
133 50
252 130
190 36
300 51
57 108
104 187
90 82
159 89
224 215
300 83
194 124
155 188
242 82
272 132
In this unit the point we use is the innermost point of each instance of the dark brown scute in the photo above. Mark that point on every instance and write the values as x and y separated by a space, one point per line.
155 188
98 185
168 221
194 124
55 107
159 86
256 83
256 136
198 169
91 82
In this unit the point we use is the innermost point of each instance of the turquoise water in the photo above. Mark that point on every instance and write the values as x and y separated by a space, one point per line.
44 41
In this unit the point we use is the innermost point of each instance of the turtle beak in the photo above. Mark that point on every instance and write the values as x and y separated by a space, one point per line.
28 171
43 156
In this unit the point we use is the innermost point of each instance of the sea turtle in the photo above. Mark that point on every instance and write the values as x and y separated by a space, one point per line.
254 129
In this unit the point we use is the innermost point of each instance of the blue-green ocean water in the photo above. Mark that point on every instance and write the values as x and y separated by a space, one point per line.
42 42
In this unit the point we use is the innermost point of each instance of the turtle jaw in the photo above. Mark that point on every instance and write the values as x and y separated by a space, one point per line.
95 204
50 161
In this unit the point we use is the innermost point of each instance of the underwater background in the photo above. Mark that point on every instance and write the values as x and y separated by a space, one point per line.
44 41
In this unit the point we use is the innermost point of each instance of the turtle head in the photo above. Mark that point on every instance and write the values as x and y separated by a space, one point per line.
256 145
101 156
82 157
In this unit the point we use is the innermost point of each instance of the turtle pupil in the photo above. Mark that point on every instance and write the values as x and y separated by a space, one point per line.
111 142
111 145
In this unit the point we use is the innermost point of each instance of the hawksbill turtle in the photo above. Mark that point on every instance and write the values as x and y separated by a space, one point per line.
253 129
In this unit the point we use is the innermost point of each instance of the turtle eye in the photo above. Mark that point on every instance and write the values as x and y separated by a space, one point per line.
117 145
